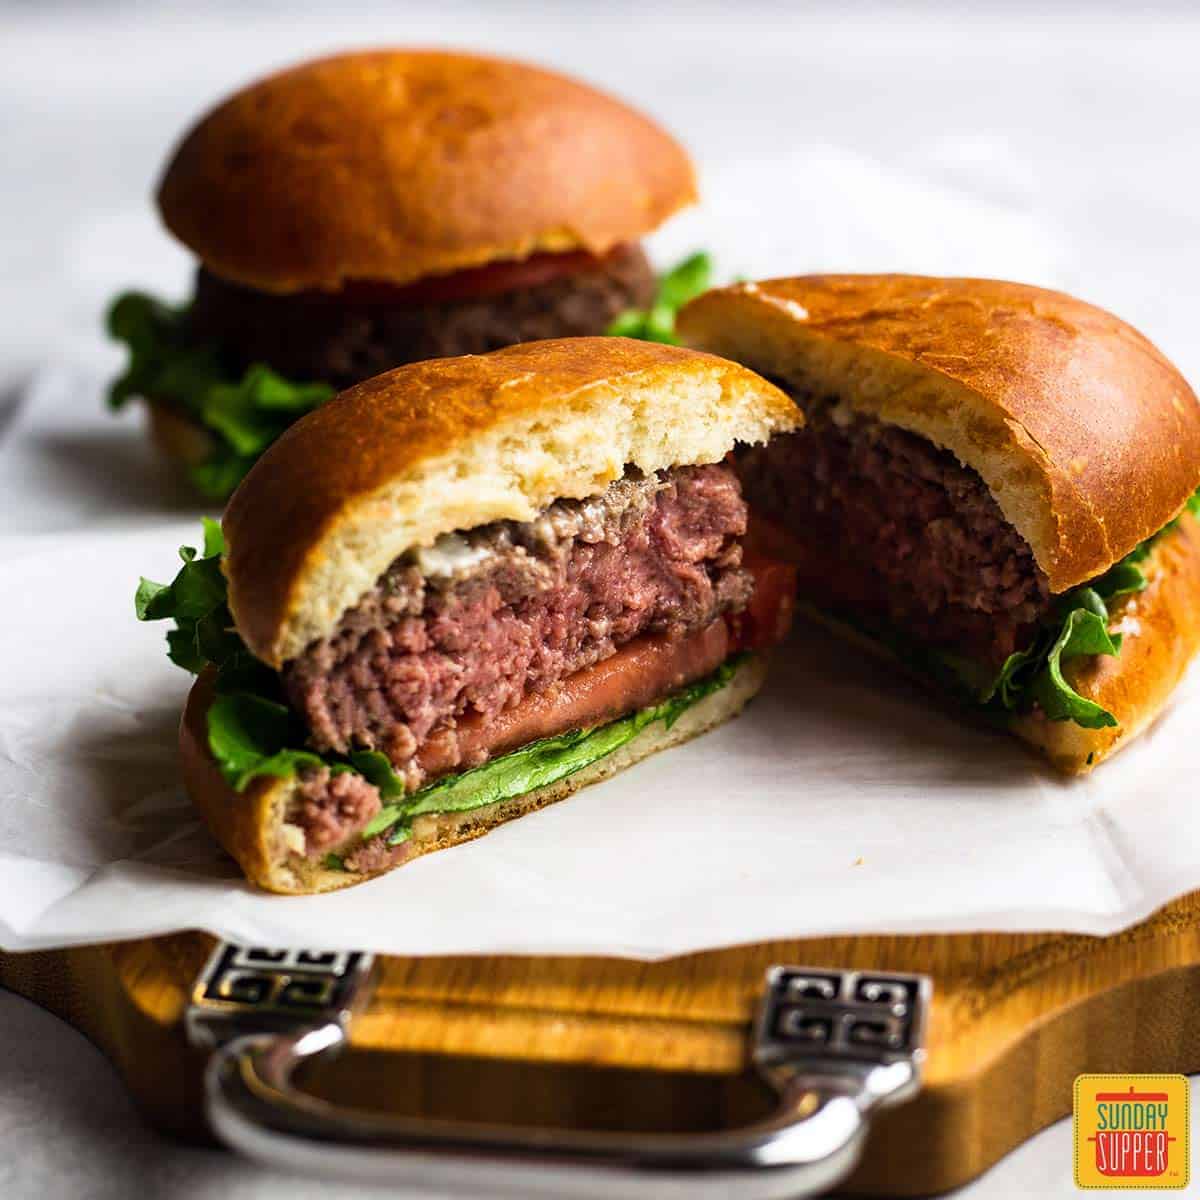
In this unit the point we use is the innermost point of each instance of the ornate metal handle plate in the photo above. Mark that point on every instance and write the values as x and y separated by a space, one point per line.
833 1045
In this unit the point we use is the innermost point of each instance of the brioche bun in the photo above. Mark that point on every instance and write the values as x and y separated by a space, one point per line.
1160 635
393 165
454 443
250 824
1087 436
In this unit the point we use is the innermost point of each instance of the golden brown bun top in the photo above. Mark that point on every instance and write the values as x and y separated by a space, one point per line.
455 443
1086 435
396 164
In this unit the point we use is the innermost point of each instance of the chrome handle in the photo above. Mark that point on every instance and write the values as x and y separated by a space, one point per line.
833 1045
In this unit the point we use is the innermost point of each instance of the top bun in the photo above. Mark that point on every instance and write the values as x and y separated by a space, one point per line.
396 164
1087 436
454 443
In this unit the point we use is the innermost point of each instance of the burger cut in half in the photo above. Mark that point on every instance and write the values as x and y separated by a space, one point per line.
464 589
359 212
995 486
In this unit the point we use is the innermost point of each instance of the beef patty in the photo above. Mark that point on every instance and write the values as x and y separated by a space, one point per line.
897 529
329 807
342 338
471 626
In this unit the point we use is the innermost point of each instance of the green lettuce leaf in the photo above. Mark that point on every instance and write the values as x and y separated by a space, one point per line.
255 410
1083 633
682 283
195 601
160 358
251 736
377 769
243 415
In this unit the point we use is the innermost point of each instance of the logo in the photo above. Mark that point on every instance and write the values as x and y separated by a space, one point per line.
1131 1131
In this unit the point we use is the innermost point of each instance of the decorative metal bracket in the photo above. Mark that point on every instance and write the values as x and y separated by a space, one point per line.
249 989
834 1046
861 1032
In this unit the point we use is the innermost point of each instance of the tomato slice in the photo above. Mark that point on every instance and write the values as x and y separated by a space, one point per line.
766 620
492 279
637 675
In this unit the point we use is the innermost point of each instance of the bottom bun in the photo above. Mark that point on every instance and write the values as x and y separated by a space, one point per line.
1160 630
250 824
177 436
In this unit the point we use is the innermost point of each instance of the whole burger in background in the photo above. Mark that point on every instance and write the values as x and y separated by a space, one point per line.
363 211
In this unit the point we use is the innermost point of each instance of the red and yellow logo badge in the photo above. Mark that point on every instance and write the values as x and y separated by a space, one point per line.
1131 1131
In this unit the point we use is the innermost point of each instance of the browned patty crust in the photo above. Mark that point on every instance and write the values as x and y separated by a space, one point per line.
342 338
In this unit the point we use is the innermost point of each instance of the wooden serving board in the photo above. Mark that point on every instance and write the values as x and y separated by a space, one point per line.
615 1044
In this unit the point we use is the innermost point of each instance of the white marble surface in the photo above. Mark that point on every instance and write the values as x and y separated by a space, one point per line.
1054 143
